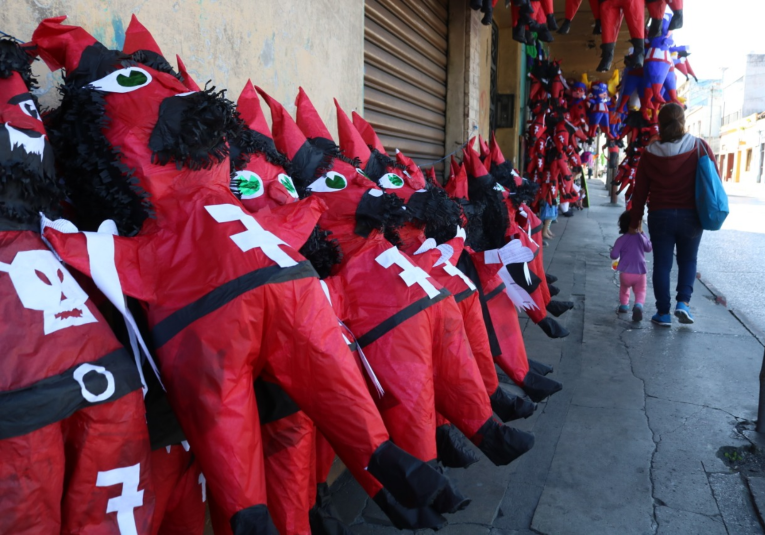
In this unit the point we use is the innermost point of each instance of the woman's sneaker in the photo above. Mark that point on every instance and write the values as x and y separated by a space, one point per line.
683 313
637 313
665 320
623 309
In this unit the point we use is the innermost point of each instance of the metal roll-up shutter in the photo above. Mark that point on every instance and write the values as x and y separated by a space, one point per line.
405 75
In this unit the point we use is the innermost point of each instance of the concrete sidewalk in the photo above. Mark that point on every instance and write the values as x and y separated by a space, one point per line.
633 442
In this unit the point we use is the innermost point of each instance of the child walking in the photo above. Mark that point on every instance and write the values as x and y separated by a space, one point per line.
630 249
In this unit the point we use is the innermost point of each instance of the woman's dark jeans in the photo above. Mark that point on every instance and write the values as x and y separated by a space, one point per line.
670 229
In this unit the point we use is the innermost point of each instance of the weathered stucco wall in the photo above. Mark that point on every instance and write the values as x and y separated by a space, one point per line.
280 45
508 81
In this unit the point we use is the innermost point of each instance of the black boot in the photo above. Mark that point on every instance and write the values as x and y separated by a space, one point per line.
607 57
677 20
565 27
637 57
554 290
552 24
412 482
545 35
597 29
255 520
502 444
550 278
519 33
552 328
654 29
558 308
451 499
323 516
538 387
540 368
488 12
452 447
509 407
403 518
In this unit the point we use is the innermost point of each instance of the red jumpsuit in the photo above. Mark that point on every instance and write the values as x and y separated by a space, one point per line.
203 263
74 446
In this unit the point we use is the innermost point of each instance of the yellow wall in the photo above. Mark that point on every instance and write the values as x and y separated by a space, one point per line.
508 81
279 44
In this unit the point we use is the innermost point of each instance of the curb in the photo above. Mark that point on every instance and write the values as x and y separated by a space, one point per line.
720 299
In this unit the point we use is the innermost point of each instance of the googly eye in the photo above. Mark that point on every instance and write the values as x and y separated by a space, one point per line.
286 181
329 183
250 185
391 181
123 81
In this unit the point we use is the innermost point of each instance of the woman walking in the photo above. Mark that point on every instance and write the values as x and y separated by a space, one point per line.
666 177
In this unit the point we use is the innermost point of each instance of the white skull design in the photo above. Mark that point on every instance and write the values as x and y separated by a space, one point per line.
43 284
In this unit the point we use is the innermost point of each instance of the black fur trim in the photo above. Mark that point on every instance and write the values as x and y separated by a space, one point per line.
14 58
313 159
440 214
192 130
100 186
495 221
379 163
97 61
322 251
155 61
28 184
384 213
249 142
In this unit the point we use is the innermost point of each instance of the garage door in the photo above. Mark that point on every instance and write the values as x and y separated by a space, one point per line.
405 75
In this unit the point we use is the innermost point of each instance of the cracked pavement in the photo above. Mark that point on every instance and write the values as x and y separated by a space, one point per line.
630 445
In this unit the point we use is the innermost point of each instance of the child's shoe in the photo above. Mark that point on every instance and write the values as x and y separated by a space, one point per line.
683 313
623 309
665 320
637 312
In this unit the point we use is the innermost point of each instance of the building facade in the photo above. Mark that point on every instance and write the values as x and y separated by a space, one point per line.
419 70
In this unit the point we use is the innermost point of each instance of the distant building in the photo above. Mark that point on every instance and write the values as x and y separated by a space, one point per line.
742 132
704 115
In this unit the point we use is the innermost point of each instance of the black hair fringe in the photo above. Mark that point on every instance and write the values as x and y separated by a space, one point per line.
192 130
384 213
379 163
439 214
100 186
247 143
154 61
14 58
28 187
322 251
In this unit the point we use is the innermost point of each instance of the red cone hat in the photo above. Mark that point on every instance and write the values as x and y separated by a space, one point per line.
416 178
484 147
61 45
308 119
351 142
473 165
188 81
457 186
367 132
137 37
287 136
497 157
249 109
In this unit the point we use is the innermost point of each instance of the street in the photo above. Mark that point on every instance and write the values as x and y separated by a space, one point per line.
732 258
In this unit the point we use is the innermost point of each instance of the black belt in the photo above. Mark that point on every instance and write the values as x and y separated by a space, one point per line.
400 317
166 329
55 398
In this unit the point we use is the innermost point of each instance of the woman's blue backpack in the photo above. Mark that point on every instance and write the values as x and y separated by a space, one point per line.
711 199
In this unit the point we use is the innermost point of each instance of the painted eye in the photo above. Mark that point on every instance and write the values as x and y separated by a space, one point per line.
123 81
362 173
329 183
286 181
499 187
250 185
391 181
26 105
